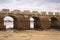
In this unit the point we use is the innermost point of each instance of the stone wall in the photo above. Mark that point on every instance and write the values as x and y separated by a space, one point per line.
22 18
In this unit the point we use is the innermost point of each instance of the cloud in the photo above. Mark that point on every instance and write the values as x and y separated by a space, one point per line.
31 4
53 1
5 1
50 7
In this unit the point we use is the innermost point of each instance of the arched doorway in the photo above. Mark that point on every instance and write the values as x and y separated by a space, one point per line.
31 23
54 21
35 23
10 22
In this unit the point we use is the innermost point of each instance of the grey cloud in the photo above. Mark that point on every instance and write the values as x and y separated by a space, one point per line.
53 1
5 1
31 4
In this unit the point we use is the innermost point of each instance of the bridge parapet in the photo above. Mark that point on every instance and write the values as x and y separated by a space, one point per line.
5 11
43 13
57 13
50 13
26 12
35 12
16 11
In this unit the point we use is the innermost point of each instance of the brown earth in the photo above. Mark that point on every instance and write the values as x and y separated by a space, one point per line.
30 35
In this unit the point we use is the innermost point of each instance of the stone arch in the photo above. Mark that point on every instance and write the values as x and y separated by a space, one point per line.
54 21
31 22
36 22
8 22
14 22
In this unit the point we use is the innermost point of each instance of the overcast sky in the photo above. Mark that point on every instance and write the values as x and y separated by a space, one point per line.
47 5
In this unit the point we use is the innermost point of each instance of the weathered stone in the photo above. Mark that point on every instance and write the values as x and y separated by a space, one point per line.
21 19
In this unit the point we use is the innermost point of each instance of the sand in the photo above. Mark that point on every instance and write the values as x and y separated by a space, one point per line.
30 35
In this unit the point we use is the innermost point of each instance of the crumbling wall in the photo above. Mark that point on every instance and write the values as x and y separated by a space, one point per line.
23 21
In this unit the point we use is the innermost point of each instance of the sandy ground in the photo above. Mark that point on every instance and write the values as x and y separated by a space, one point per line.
30 35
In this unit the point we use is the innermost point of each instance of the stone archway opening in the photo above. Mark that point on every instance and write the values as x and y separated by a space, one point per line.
35 23
10 22
54 21
32 23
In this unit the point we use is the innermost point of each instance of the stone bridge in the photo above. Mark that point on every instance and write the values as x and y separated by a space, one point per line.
42 20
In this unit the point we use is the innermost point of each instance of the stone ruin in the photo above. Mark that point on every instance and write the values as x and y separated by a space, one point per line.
42 20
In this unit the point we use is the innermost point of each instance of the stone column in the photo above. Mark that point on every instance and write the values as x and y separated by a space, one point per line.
2 26
23 23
